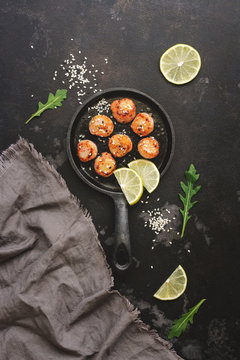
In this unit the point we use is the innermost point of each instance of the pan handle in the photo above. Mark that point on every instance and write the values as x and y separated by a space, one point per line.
122 248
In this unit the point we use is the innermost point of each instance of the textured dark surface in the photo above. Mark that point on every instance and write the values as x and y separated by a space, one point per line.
205 116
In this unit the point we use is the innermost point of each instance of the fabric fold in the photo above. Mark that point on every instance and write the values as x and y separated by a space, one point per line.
56 300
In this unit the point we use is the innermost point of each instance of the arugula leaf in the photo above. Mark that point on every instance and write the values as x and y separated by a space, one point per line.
53 101
180 325
189 191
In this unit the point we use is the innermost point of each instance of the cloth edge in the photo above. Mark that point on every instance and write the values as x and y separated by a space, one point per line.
142 327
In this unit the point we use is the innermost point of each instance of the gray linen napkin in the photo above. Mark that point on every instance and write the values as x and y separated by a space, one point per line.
55 297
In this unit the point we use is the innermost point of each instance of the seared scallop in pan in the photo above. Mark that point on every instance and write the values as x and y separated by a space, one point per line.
148 148
105 164
143 124
120 145
101 125
123 110
87 150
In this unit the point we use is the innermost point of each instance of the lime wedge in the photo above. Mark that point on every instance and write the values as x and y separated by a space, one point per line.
174 286
148 172
130 183
180 64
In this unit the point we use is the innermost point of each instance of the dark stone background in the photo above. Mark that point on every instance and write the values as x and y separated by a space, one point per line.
36 38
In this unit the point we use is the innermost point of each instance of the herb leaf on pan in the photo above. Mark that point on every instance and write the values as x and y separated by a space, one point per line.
180 325
189 190
53 101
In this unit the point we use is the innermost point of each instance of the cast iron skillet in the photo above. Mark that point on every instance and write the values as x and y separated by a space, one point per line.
78 129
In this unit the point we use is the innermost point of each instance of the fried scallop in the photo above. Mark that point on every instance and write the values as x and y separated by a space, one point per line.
148 148
123 110
87 150
143 124
101 125
120 145
104 164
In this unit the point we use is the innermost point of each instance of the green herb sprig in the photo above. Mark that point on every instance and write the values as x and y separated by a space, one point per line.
189 190
180 325
53 101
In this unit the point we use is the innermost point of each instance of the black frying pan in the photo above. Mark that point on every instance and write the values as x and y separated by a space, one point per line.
78 129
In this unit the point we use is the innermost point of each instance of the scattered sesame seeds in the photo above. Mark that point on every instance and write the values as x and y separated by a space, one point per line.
77 71
32 95
156 221
101 106
31 46
151 267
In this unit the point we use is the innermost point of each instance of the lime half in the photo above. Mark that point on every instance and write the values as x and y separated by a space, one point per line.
174 286
130 183
148 172
180 64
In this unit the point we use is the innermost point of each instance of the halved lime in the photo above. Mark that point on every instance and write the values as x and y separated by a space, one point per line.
148 172
174 286
180 64
130 183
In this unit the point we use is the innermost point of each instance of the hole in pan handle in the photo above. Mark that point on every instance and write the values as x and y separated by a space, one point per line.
122 248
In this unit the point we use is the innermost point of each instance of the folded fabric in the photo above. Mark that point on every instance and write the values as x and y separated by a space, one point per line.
55 284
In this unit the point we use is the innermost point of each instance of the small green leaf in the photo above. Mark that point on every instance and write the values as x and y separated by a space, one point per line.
53 101
190 191
180 325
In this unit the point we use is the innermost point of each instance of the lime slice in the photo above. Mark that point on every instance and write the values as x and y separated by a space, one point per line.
180 64
148 172
130 183
174 286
